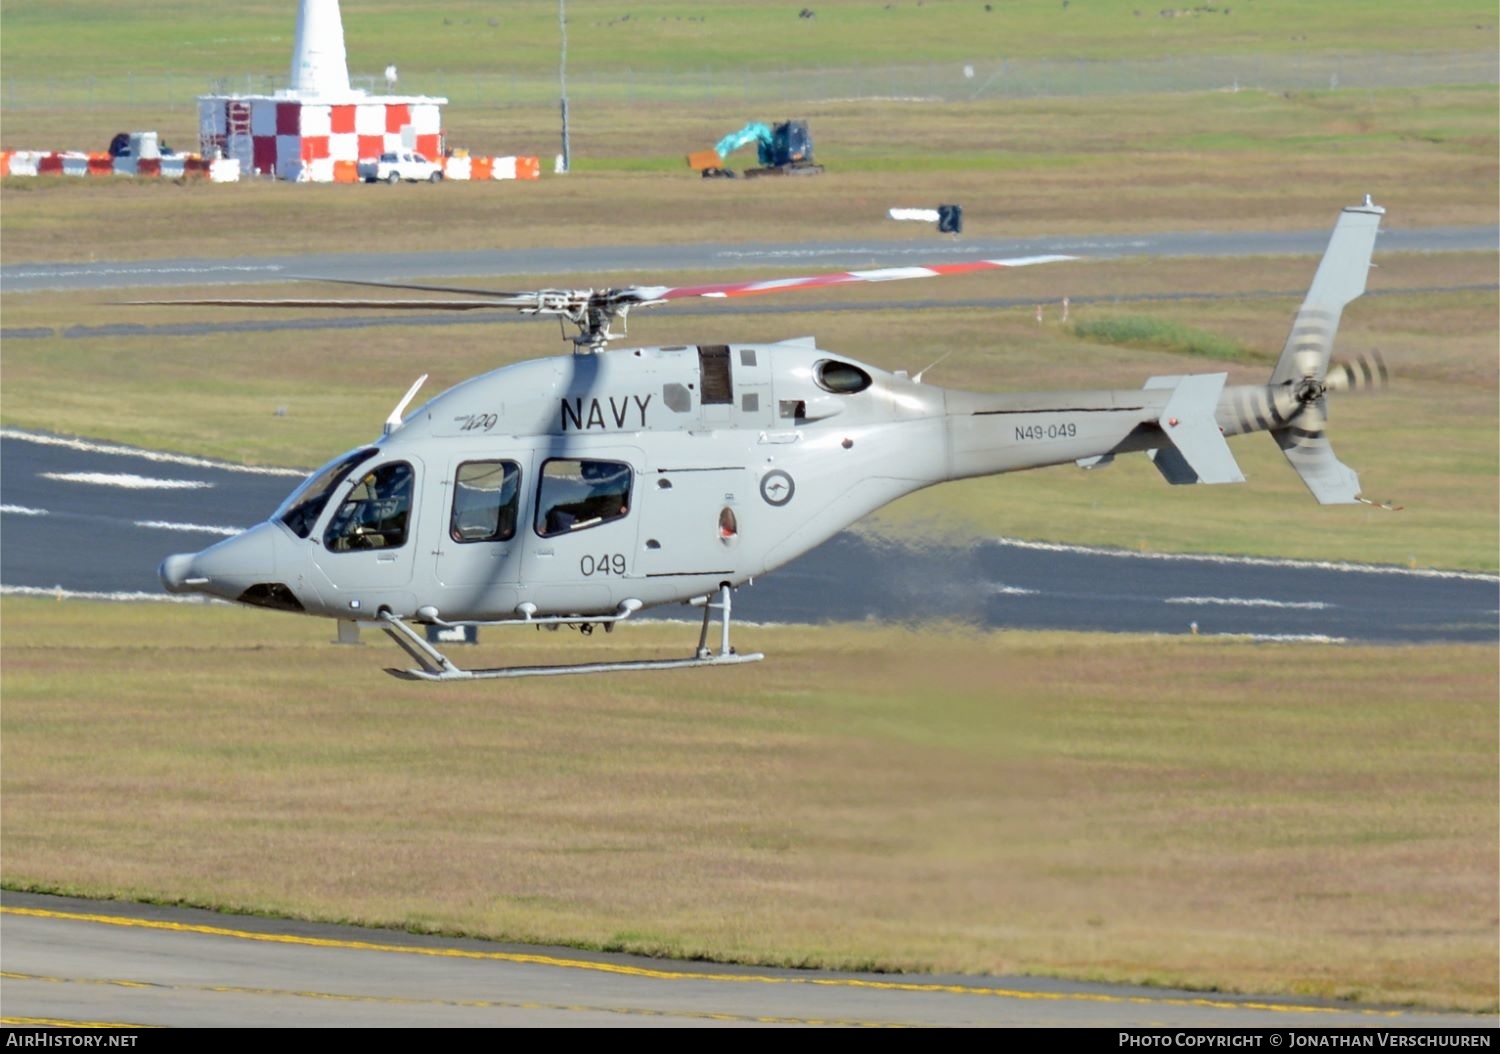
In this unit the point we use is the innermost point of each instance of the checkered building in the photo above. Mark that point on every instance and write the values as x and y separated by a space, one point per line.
302 139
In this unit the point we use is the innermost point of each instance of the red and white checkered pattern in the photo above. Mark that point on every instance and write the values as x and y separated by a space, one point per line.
299 139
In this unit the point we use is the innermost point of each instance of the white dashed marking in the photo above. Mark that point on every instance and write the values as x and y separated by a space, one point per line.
1283 638
59 593
195 528
1247 561
1251 602
126 480
147 455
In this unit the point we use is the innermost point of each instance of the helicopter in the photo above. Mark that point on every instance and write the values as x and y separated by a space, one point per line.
580 490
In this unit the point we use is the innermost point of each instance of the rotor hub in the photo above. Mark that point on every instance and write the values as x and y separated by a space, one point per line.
1309 390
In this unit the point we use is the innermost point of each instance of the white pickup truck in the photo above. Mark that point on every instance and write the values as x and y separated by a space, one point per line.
394 167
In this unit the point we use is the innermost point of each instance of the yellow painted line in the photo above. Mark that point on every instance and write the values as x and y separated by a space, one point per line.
684 975
480 1004
55 1022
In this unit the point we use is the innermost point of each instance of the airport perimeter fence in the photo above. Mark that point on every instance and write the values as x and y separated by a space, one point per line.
944 82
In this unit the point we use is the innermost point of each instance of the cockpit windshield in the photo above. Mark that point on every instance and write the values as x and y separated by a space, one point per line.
301 511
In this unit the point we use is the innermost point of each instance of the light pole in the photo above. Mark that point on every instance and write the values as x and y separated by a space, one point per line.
562 78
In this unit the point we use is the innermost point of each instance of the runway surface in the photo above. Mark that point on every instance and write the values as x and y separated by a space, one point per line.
90 961
721 259
87 518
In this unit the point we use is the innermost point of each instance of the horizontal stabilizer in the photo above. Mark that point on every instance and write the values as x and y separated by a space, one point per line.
1199 453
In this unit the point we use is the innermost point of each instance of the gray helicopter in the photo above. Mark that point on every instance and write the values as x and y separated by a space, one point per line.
583 489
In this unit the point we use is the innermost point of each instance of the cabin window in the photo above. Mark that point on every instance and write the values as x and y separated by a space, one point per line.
486 495
714 373
577 494
305 505
376 512
841 377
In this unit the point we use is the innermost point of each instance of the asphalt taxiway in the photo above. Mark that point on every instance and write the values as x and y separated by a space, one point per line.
102 963
96 519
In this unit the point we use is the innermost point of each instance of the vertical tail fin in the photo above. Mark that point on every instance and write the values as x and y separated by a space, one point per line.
1303 366
1340 279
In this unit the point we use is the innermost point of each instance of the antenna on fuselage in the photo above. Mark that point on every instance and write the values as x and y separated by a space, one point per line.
394 422
931 365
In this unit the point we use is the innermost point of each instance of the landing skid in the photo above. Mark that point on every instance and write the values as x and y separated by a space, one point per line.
433 665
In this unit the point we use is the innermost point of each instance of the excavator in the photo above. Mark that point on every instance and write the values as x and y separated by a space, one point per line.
785 150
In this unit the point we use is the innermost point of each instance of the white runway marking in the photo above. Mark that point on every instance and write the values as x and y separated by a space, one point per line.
60 593
1283 638
1248 561
1251 602
126 480
196 528
22 510
148 455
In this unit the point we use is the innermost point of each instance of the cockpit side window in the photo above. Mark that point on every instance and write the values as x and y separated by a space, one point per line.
302 509
376 512
574 495
486 495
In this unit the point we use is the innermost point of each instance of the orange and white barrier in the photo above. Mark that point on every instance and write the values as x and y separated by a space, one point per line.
227 170
180 166
480 168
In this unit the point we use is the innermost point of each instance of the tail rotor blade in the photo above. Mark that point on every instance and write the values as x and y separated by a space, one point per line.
1305 443
1366 372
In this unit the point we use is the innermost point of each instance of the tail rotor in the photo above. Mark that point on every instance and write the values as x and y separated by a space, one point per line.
1304 371
1363 373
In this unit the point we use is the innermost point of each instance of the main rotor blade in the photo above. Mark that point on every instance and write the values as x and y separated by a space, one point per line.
884 274
593 310
412 286
358 305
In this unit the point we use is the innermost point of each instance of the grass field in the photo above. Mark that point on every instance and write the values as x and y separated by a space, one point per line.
1309 820
108 37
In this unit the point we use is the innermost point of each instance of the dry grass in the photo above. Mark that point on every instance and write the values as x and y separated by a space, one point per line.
1314 820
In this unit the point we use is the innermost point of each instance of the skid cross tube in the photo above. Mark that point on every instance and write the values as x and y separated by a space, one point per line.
433 665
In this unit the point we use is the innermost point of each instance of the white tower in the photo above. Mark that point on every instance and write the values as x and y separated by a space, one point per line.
320 66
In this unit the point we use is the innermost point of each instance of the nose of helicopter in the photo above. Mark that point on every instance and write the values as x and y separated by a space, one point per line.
225 569
174 572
